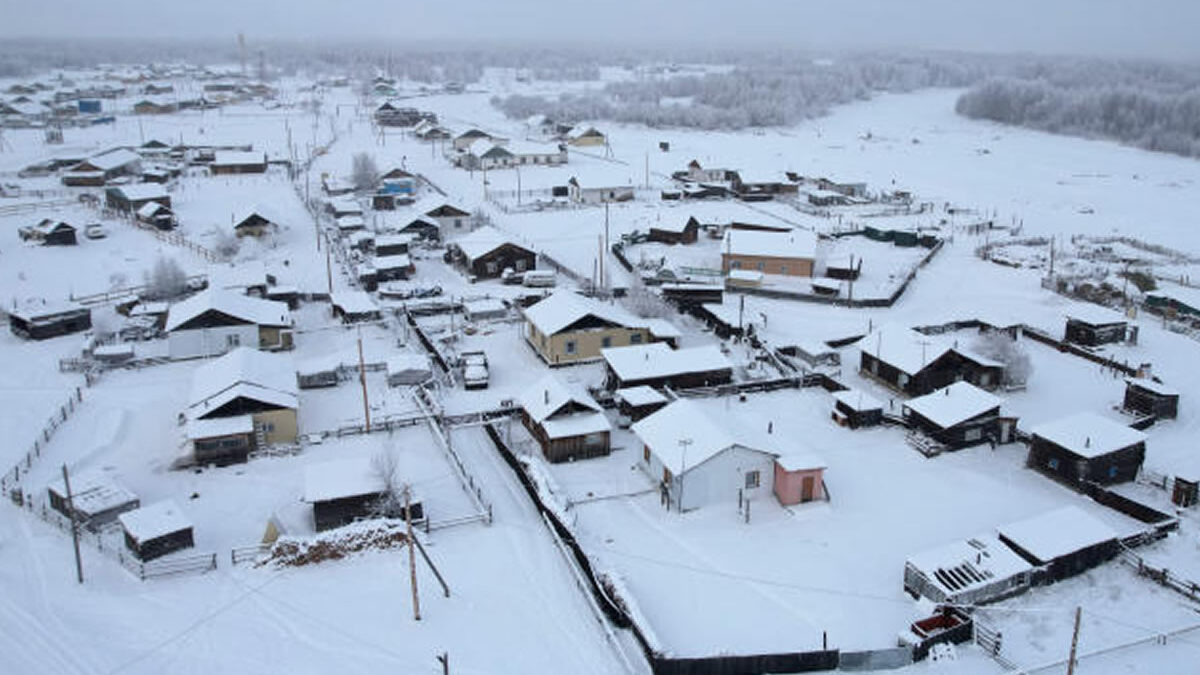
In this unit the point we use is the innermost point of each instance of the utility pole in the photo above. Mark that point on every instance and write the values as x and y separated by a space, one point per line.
444 659
412 554
604 249
328 269
362 378
1074 642
74 524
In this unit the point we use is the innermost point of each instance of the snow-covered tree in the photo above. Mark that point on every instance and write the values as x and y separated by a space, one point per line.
364 173
165 280
1000 347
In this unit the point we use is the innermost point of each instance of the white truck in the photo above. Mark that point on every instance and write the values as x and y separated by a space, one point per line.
474 370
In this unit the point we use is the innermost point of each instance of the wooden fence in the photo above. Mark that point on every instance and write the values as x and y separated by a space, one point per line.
12 478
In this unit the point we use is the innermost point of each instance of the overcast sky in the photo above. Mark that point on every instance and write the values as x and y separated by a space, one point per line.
1152 28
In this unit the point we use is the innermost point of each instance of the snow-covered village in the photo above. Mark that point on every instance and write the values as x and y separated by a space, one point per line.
392 360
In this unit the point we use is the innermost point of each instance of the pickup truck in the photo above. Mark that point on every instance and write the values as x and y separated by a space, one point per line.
474 370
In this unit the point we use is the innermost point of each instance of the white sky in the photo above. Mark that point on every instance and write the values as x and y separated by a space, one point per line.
1154 28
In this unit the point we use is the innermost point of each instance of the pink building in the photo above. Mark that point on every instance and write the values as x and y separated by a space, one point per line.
799 478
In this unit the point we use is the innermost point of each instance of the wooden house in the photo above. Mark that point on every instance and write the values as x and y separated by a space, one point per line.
130 198
974 571
50 232
565 420
791 253
1093 327
856 409
319 373
566 328
915 364
393 267
449 218
958 416
635 403
582 135
675 232
1087 448
154 106
351 306
1063 542
96 499
156 530
255 222
469 137
215 321
657 365
242 401
40 320
156 215
98 170
344 491
1150 397
423 228
392 244
231 162
487 252
698 461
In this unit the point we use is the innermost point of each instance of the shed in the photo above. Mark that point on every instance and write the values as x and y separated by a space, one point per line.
1091 327
221 440
344 491
799 478
1066 541
914 363
408 369
958 416
657 365
319 372
392 244
1087 447
50 232
855 408
389 267
480 309
354 306
969 572
156 530
96 499
237 162
1150 397
153 213
635 403
255 221
130 198
41 320
565 420
676 232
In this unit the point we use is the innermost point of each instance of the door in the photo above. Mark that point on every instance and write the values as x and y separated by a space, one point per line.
807 484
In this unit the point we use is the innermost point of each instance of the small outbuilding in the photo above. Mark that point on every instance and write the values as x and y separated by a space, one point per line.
636 403
799 478
959 416
96 499
657 365
1150 397
1087 448
1093 327
408 369
565 421
487 252
50 232
1066 542
854 408
354 306
970 572
41 320
344 491
483 309
156 530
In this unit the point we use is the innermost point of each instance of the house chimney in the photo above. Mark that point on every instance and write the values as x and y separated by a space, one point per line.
947 390
545 397
1087 442
770 427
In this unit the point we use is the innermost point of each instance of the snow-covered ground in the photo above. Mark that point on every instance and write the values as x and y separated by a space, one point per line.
706 582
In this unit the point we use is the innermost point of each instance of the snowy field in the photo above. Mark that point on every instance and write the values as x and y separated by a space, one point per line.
705 582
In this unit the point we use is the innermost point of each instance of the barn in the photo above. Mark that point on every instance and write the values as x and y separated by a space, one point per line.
38 321
1150 397
1092 327
958 416
657 365
565 420
156 530
1087 448
676 232
1065 542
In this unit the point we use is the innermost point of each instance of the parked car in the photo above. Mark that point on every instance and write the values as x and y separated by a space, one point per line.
475 370
95 231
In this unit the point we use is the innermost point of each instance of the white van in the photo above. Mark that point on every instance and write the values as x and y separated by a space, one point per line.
539 279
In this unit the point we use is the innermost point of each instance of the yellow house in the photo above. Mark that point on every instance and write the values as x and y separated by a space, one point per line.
569 328
243 401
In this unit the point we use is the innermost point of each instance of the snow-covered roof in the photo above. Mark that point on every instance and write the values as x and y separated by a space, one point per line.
746 275
911 351
563 308
800 460
477 306
641 395
237 158
483 241
408 362
662 329
153 521
240 276
219 426
1152 386
953 404
857 400
353 301
792 244
265 212
244 307
353 222
114 159
682 435
548 396
965 565
343 478
1088 434
1095 314
94 492
578 424
149 209
243 372
1058 533
346 205
138 192
386 240
655 360
392 262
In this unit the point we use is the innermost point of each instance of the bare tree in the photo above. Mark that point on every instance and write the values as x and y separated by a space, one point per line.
644 303
999 346
385 466
226 243
166 280
364 173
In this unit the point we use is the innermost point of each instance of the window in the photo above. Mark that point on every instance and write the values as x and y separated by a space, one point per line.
458 222
635 339
491 268
520 264
1052 463
752 480
232 341
666 475
646 453
571 346
1112 471
736 264
973 434
760 266
783 269
606 341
